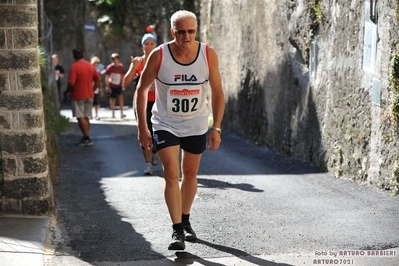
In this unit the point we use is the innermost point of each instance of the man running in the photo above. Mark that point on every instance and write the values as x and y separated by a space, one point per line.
181 69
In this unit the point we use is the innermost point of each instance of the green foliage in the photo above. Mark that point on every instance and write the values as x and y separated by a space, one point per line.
42 57
100 2
394 83
395 181
54 123
309 38
316 16
396 6
316 9
111 14
62 124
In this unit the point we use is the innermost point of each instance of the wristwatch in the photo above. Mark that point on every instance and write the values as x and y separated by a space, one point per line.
217 129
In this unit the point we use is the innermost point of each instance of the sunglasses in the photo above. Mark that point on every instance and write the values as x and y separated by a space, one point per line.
181 32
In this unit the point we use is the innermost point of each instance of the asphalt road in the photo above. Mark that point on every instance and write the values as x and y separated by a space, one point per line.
253 207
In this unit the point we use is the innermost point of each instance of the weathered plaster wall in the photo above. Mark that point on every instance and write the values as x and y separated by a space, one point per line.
328 120
27 187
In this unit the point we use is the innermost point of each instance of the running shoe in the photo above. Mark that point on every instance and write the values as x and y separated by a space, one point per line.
154 158
177 242
84 143
189 233
148 169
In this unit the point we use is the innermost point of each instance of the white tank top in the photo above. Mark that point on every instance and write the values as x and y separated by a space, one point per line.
180 96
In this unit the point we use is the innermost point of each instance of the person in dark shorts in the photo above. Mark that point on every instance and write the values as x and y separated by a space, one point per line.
149 42
114 76
181 70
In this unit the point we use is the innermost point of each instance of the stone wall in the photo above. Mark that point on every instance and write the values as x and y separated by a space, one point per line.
326 117
27 187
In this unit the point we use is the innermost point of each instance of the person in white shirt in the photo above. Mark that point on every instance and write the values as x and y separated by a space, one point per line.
181 69
114 77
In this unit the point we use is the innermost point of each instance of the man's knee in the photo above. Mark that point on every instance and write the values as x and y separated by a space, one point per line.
172 179
190 174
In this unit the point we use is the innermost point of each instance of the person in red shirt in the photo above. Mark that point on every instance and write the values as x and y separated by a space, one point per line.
82 81
115 72
149 42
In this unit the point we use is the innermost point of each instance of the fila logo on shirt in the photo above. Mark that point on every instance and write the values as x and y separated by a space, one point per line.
184 77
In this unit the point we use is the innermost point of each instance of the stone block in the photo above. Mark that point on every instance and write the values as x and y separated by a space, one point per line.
12 81
19 60
15 121
9 167
29 206
25 38
32 120
29 81
9 205
5 120
20 102
9 38
3 39
33 165
3 82
25 2
36 206
24 187
18 16
26 143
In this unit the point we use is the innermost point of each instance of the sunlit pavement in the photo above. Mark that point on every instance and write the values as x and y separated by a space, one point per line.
105 115
252 208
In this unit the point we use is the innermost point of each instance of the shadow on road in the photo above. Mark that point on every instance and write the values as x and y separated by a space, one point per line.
189 258
218 184
93 229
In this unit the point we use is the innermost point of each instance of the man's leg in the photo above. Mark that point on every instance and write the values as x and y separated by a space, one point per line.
112 105
120 98
147 159
170 160
190 165
84 125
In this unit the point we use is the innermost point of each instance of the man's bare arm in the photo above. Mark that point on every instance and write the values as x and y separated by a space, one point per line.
148 76
215 82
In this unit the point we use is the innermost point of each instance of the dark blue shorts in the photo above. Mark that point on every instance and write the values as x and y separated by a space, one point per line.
115 92
191 144
95 99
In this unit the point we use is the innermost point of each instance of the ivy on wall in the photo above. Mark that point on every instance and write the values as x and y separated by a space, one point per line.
396 6
395 180
317 18
394 83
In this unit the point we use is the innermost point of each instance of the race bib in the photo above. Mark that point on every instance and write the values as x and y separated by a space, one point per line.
184 102
115 79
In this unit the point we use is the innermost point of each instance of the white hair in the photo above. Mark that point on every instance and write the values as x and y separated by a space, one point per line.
181 14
